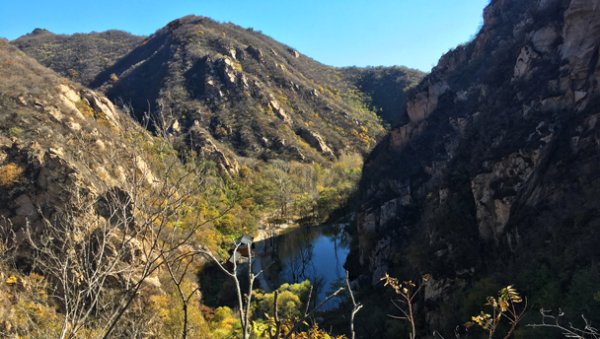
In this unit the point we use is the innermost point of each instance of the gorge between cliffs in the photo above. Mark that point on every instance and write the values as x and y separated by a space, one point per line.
208 181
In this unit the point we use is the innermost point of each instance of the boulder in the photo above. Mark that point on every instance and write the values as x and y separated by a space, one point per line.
200 141
580 38
523 63
316 141
544 39
280 112
425 102
495 192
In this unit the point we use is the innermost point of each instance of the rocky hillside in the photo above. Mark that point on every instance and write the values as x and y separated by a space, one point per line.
385 89
224 90
87 204
79 57
58 141
240 90
494 177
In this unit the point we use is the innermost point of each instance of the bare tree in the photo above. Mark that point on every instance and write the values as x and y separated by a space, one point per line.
177 271
100 250
356 307
79 257
408 291
310 312
569 331
8 243
243 300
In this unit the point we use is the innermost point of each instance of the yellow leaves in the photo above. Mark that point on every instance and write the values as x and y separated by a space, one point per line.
392 282
510 293
402 288
26 310
160 305
237 66
224 323
314 333
85 109
506 296
289 300
15 131
503 304
483 319
502 307
12 280
491 301
362 135
260 328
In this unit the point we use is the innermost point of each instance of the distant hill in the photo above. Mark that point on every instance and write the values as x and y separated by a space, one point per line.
386 88
79 57
232 89
259 97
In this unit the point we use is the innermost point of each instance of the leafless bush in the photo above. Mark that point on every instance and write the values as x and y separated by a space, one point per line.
100 251
8 243
556 322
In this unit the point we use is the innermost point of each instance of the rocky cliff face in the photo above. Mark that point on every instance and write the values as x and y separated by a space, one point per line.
495 174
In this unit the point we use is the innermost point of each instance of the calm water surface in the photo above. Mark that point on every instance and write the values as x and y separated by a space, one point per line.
315 253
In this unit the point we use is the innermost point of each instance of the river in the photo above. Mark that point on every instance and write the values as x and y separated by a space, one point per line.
315 253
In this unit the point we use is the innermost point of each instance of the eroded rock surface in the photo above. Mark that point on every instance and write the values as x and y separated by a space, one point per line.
497 167
63 147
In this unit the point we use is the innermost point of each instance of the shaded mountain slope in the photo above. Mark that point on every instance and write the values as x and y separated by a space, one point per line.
79 57
495 177
385 88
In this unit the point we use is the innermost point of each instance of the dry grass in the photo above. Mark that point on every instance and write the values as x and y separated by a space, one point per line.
85 109
10 173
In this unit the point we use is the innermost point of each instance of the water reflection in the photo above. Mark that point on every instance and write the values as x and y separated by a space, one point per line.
313 253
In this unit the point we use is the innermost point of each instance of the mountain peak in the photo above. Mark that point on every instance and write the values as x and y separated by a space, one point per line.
251 94
79 57
229 90
39 31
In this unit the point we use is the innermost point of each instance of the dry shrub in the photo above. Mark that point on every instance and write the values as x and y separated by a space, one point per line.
10 173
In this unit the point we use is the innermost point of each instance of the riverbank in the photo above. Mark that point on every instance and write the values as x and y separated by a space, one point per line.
269 230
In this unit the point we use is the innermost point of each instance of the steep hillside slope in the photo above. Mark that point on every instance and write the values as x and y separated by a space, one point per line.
495 177
385 89
87 200
241 90
56 137
79 57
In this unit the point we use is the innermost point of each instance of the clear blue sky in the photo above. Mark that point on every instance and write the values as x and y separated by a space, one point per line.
413 33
